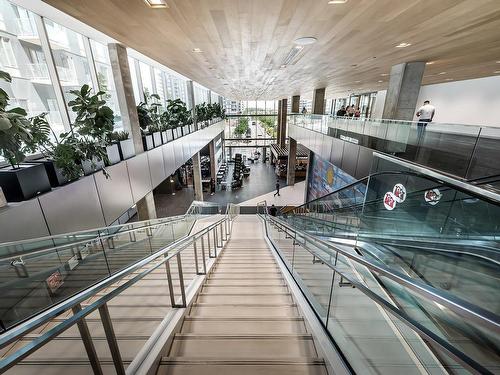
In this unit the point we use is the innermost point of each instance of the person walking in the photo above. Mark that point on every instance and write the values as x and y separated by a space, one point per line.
277 188
304 110
273 211
425 115
341 112
212 186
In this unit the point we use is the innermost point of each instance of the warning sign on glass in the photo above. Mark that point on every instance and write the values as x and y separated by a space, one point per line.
54 281
389 201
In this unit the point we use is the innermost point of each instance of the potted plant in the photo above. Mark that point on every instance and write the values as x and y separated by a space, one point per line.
148 113
201 114
125 145
92 126
18 181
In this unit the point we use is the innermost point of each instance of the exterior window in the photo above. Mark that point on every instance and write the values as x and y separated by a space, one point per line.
135 82
147 83
70 59
105 79
22 57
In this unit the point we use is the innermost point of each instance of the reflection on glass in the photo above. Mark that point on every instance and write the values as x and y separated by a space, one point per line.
71 61
22 57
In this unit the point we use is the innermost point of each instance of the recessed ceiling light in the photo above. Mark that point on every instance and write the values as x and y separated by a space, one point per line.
449 79
403 45
197 50
442 73
156 3
305 41
429 62
357 81
337 1
497 72
384 74
380 81
498 62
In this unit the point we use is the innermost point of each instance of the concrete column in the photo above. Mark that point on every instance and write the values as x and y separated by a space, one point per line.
404 87
191 103
296 104
292 160
319 102
213 162
278 125
146 209
125 93
198 187
282 123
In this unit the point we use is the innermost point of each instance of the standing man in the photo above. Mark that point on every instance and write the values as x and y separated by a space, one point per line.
425 115
277 188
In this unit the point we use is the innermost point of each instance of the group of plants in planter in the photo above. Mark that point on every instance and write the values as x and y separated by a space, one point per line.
162 124
87 147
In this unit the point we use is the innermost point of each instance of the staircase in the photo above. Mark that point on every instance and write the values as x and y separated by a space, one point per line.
244 320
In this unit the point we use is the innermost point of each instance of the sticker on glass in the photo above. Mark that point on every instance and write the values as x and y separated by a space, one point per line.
432 196
399 192
389 201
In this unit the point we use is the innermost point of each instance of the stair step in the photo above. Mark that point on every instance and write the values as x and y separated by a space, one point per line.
246 346
241 366
245 289
247 298
243 326
283 310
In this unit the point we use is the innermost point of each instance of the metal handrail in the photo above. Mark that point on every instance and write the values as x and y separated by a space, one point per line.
460 307
451 350
79 313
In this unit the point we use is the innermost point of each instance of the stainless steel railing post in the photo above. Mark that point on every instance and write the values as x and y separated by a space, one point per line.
111 337
215 240
203 256
209 245
170 283
221 235
87 342
181 280
195 257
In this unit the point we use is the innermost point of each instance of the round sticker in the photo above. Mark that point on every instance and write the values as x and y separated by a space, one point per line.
389 201
399 192
432 196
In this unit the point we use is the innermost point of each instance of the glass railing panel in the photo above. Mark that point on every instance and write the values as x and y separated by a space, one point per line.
484 161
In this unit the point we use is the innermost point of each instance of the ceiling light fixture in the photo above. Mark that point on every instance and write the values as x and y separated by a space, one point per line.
429 62
384 74
283 66
332 2
497 72
305 41
449 79
380 81
403 45
197 50
156 3
442 73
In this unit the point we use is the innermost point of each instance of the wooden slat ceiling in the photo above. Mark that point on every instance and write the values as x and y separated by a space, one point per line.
244 42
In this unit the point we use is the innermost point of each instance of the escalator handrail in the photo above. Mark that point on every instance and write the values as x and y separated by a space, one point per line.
460 307
47 315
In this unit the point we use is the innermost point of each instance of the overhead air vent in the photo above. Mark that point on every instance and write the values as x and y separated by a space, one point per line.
291 56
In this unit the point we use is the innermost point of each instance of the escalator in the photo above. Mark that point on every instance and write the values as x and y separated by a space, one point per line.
441 235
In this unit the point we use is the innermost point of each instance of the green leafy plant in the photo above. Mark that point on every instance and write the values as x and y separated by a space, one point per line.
149 113
242 127
14 128
178 114
118 136
93 124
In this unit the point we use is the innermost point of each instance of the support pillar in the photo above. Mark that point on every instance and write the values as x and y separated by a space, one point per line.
296 104
278 125
198 187
191 104
146 209
319 102
213 162
404 87
125 93
292 161
282 124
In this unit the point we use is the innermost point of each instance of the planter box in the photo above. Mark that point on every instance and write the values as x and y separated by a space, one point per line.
113 152
55 174
157 139
191 128
147 141
126 149
25 182
164 137
185 129
88 168
170 135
